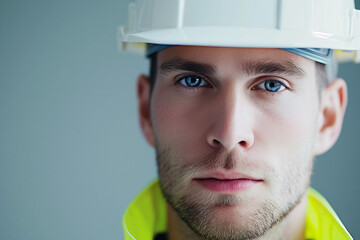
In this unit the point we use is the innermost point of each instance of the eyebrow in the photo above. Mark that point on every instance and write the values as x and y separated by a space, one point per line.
251 68
177 64
287 67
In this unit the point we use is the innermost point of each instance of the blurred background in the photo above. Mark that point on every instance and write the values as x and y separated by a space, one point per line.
71 153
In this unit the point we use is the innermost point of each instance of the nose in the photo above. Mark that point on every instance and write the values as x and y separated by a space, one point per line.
231 124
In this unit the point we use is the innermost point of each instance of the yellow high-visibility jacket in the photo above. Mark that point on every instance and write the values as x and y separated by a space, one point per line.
146 217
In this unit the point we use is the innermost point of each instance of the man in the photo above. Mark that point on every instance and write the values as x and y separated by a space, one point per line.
237 115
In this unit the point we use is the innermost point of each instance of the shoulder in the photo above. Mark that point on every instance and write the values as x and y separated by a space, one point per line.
321 220
146 215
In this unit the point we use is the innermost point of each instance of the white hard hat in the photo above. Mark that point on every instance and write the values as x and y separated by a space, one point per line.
325 24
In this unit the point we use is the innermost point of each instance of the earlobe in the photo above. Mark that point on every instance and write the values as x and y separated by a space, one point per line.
332 110
143 94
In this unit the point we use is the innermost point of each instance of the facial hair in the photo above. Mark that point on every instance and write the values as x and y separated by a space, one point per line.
199 209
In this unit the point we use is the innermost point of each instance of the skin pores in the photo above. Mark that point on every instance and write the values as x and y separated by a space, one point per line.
234 132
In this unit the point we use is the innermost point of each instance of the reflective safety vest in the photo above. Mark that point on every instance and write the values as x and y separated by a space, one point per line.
146 217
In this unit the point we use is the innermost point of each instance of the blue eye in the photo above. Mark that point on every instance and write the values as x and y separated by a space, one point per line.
272 86
193 81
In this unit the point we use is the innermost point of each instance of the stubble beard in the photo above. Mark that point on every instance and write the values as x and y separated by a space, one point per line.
198 209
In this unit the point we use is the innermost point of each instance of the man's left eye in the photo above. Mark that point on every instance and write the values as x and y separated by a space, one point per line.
271 86
193 81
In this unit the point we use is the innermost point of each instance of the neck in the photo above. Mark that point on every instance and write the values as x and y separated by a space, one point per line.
292 227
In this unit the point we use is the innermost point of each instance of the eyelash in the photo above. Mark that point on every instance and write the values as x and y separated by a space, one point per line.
182 81
262 86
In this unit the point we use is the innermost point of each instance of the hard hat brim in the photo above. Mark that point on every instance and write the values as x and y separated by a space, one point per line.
240 37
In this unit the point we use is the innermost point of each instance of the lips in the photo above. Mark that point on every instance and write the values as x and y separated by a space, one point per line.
227 183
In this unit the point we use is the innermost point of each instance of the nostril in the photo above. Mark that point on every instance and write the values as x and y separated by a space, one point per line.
216 142
242 143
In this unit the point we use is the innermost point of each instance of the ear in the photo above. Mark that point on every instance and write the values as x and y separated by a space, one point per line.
143 94
332 111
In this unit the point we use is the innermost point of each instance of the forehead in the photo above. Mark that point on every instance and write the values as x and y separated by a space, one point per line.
232 58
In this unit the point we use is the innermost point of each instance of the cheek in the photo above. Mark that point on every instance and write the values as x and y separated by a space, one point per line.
179 124
289 148
289 122
287 136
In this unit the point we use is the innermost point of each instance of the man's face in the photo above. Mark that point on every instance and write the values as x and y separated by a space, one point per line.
235 131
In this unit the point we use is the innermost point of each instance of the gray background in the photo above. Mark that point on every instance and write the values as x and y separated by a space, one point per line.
71 152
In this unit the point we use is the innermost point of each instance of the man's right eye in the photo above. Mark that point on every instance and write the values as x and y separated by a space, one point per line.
193 81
